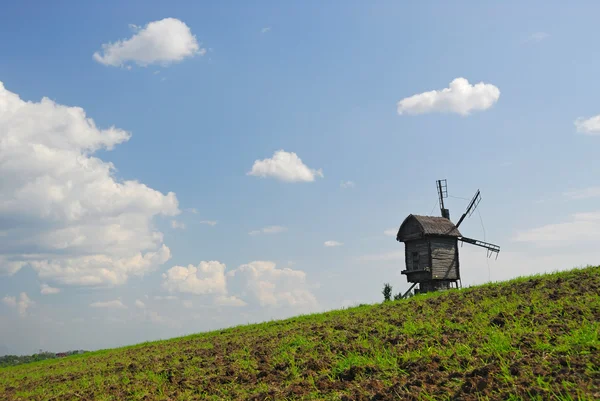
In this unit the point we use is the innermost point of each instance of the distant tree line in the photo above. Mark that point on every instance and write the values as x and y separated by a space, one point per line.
12 360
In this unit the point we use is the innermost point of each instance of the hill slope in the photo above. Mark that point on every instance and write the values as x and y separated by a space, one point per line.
530 338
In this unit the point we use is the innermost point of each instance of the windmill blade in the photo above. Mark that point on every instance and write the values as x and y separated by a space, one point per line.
491 248
471 208
442 188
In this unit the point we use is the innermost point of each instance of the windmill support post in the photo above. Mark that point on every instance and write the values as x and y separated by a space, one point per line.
407 291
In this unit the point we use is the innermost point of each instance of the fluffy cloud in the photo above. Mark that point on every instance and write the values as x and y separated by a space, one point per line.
115 304
229 301
332 243
274 287
583 227
461 98
139 304
284 166
269 230
206 278
45 289
177 224
590 126
160 42
22 303
64 212
347 184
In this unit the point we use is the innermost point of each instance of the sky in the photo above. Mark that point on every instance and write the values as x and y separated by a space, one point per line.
173 168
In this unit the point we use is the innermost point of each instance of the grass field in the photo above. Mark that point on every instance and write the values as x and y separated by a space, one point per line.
529 338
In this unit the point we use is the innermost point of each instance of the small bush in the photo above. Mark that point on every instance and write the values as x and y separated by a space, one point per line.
387 292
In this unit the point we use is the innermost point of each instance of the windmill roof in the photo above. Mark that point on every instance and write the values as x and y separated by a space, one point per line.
427 225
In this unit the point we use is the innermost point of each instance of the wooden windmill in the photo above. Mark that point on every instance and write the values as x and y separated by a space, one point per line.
431 246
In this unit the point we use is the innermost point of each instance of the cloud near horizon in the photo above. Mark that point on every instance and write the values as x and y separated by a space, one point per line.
206 278
159 42
583 227
274 287
460 97
261 282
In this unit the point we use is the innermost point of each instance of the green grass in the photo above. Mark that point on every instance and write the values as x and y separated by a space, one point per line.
533 338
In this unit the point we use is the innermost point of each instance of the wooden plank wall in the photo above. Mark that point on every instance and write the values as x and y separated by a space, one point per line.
444 260
421 246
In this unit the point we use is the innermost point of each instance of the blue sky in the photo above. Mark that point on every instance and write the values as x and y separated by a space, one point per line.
206 91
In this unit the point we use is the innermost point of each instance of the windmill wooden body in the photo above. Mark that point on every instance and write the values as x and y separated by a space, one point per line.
431 246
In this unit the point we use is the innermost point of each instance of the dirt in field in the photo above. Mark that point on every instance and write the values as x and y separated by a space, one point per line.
468 346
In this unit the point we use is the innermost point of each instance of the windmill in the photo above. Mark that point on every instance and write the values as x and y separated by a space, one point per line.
431 246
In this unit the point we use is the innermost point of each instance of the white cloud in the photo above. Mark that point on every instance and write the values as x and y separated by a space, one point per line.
586 193
10 301
275 287
165 297
537 37
187 304
206 278
139 304
461 97
273 229
284 166
157 318
333 243
45 289
391 232
22 303
209 222
192 210
177 224
265 29
347 184
590 126
229 301
159 42
115 304
583 227
269 230
65 213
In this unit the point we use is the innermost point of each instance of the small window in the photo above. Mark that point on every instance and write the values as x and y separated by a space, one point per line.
415 260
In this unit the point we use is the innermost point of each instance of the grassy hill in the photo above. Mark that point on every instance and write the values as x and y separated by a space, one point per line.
529 338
